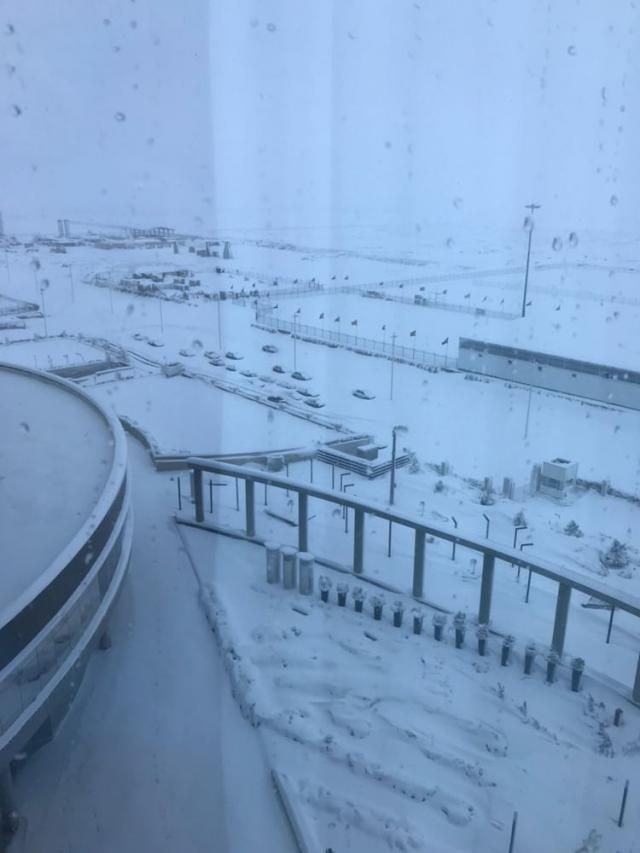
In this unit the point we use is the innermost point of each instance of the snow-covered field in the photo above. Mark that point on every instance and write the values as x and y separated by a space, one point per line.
394 712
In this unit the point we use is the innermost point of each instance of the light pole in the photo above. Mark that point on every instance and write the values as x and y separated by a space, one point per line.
43 287
294 338
392 484
393 345
526 425
219 326
530 207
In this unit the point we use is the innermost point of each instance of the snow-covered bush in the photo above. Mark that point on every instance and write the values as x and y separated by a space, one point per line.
519 519
439 486
616 556
573 529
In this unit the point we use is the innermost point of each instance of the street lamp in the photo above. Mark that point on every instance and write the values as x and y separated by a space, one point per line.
294 338
43 286
392 484
530 207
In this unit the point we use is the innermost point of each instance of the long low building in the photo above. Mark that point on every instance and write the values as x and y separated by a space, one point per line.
65 533
612 385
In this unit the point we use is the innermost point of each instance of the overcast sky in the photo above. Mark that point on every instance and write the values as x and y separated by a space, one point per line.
267 114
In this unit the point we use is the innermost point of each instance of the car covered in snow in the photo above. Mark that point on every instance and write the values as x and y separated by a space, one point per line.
248 373
301 377
288 385
361 394
210 353
264 378
234 356
269 348
277 368
275 398
185 353
305 392
154 343
314 403
231 368
138 336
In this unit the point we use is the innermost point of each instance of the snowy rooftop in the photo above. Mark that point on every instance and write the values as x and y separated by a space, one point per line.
56 453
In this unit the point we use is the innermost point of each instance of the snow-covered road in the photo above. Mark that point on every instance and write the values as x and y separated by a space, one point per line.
154 754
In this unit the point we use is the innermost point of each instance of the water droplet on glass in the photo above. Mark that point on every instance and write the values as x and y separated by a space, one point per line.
457 203
16 110
573 239
24 426
613 200
197 344
130 308
120 116
556 245
271 27
571 50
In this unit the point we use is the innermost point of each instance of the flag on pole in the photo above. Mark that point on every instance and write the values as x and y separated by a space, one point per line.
445 341
321 317
337 320
354 322
412 334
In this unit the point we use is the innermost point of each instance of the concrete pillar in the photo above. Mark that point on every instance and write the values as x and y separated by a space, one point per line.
358 542
197 494
305 573
636 684
562 616
250 507
288 567
486 588
418 563
303 524
272 550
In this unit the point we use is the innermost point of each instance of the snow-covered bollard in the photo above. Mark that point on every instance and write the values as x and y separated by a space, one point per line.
482 632
342 589
272 550
529 657
507 645
325 586
460 626
552 662
577 668
439 621
288 567
398 610
377 603
418 618
305 573
359 596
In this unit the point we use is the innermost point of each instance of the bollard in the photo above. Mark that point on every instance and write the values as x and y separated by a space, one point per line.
577 668
617 717
272 550
305 573
288 567
529 657
552 662
507 645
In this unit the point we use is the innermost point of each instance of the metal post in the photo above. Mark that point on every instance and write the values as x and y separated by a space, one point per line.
623 805
346 519
453 544
486 588
526 598
250 509
488 522
294 342
393 344
526 424
237 496
161 318
358 541
392 484
514 824
418 562
530 207
636 684
219 326
613 610
389 540
265 494
561 618
210 496
303 534
311 469
179 496
333 476
197 488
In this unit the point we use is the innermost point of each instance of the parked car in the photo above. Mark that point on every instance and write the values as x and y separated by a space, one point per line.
269 348
153 343
211 354
216 362
275 398
247 373
305 392
185 353
288 385
315 404
277 368
234 356
361 394
231 368
266 379
139 337
302 377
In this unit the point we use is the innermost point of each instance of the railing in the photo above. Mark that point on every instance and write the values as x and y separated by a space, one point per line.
566 579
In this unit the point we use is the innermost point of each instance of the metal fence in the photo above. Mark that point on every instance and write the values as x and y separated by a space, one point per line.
491 552
365 346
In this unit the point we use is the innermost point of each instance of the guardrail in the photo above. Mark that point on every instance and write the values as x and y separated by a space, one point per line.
566 579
